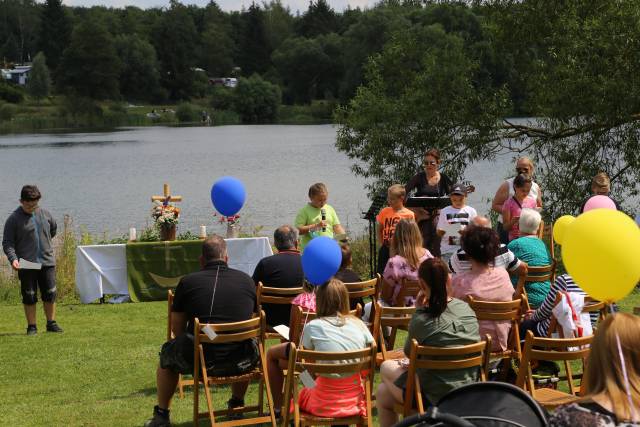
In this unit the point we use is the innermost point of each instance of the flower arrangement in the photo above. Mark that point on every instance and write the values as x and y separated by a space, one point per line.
231 220
165 214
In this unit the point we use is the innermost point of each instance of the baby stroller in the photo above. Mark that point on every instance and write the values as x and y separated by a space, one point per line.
488 404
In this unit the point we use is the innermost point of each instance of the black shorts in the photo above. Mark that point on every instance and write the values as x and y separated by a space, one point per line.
177 355
31 280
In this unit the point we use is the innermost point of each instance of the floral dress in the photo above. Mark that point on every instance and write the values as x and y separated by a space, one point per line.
398 269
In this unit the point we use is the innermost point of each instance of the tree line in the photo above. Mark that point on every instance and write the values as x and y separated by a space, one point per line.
404 75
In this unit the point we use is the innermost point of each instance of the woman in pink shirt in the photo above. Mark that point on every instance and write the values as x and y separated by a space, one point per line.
407 254
513 205
485 282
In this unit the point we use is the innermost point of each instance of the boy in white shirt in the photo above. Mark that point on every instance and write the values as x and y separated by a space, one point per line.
453 219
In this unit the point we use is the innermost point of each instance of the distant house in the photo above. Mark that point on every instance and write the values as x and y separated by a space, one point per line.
224 81
17 75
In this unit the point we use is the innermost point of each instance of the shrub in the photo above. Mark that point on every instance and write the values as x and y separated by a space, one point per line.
257 100
11 93
186 112
7 111
222 98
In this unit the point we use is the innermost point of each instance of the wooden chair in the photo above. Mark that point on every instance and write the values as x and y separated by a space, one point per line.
358 291
392 319
410 288
442 359
552 349
502 311
535 275
182 382
636 311
301 318
319 362
269 295
232 333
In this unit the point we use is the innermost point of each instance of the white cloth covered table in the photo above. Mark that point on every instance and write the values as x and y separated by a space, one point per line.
102 269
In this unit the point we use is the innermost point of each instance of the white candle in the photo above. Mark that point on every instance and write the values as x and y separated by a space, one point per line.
203 231
132 235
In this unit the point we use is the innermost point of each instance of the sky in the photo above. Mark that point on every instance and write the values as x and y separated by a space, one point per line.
227 5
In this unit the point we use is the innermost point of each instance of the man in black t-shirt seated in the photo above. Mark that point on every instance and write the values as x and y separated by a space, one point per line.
215 294
282 270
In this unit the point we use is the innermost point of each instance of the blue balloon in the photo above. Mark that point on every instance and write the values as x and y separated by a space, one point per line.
228 195
321 259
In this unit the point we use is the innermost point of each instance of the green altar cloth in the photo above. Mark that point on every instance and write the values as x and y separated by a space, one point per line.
155 267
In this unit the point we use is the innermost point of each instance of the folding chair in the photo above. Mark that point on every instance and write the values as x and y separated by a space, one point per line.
410 288
301 318
552 349
538 274
391 319
441 359
502 311
235 332
269 295
636 311
320 362
358 291
182 382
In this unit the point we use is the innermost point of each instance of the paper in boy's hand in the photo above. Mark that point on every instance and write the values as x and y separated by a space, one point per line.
451 229
28 265
282 330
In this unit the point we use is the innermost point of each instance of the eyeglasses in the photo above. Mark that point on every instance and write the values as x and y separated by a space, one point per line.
429 163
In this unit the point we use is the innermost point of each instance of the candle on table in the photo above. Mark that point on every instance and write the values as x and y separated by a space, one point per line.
203 231
132 235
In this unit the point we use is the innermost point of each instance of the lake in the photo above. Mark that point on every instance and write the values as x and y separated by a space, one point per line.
105 180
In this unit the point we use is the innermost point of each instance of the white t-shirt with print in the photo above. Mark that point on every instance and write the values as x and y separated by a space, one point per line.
451 221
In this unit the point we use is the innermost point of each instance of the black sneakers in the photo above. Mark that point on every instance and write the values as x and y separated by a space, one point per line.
235 403
160 418
32 330
52 326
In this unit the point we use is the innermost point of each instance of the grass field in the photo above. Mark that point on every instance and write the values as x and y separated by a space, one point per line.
99 372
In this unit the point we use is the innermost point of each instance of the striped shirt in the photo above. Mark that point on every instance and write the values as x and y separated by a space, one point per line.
542 315
460 262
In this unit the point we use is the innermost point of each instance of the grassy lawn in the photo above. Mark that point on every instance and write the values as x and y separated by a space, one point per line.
99 372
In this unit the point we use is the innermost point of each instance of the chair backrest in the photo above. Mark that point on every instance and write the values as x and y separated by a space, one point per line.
301 318
534 274
552 349
390 317
410 288
230 332
351 362
269 295
497 311
367 288
444 359
636 311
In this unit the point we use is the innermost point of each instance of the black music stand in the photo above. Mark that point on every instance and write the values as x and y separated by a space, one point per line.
429 203
378 202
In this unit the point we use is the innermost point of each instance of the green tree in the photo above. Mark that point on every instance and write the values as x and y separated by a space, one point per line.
175 40
90 66
217 45
278 23
55 32
257 100
420 93
254 51
140 78
19 22
39 83
319 19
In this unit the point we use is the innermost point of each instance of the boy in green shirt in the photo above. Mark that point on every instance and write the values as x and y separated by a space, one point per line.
317 218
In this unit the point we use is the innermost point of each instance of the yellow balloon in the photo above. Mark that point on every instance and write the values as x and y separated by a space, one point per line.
601 251
560 226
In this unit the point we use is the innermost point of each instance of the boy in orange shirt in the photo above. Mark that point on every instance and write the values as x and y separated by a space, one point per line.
387 220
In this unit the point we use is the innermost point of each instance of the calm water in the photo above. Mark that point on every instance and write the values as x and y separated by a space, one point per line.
104 181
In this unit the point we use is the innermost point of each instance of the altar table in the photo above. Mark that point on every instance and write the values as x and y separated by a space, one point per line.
102 269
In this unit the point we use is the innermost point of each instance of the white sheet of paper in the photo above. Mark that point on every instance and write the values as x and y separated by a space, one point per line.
282 330
452 230
307 379
208 330
28 265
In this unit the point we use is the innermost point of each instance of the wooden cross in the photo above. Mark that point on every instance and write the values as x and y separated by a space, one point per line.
167 196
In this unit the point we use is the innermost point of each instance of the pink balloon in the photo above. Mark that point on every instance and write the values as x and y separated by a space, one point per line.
599 202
